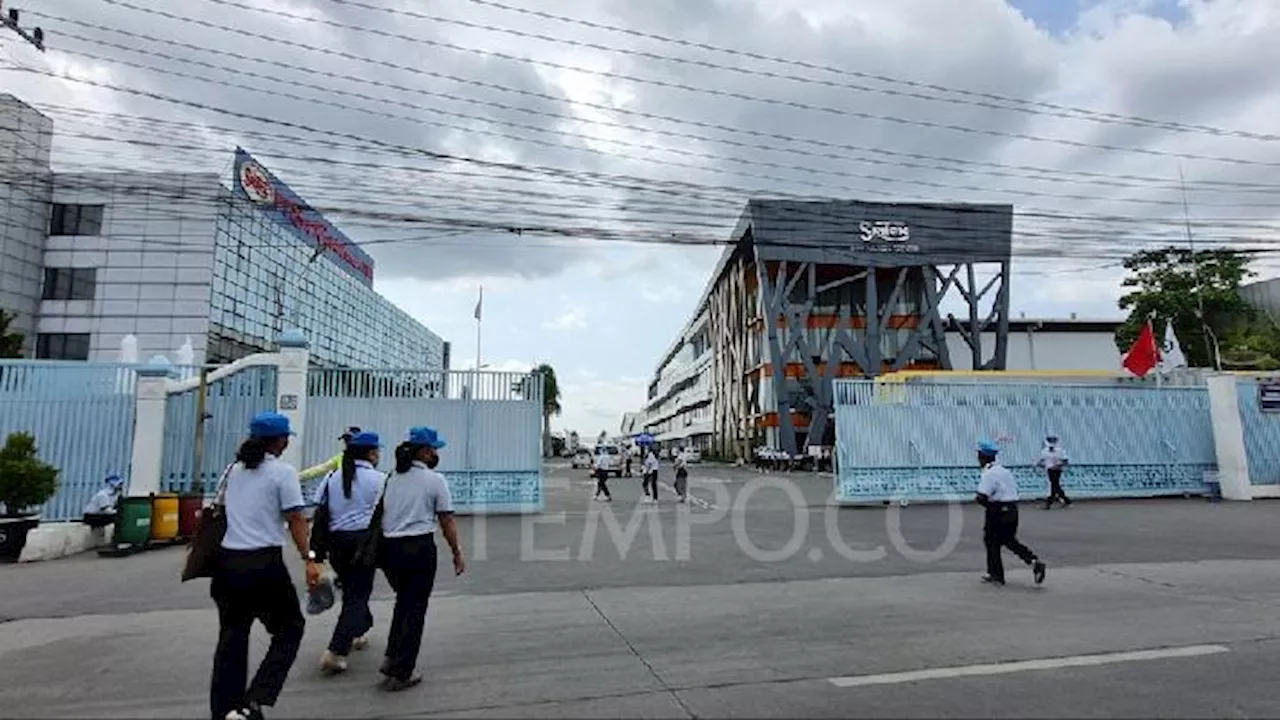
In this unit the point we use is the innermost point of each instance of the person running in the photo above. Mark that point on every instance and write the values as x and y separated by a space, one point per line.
351 494
261 495
649 481
1054 461
333 464
682 475
415 501
998 494
601 474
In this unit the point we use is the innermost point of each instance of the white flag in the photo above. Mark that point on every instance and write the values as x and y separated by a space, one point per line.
1171 356
479 302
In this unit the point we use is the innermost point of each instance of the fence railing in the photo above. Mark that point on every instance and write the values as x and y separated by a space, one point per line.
81 415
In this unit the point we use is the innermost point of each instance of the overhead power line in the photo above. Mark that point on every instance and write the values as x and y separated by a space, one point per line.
1067 142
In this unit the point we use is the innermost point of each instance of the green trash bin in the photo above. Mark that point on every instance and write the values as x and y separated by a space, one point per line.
133 521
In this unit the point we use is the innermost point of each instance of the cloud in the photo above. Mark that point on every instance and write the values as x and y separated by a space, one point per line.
571 319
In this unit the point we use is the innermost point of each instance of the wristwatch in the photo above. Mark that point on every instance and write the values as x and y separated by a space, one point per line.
310 556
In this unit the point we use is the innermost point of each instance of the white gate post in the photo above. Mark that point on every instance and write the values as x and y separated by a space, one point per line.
1228 438
291 389
151 396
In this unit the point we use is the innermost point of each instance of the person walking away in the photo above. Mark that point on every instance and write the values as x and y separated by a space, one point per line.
1054 461
351 494
261 494
998 494
331 465
415 501
649 484
682 475
627 470
601 473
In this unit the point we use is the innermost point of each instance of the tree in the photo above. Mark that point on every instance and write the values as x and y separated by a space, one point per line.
1168 285
25 480
10 341
550 399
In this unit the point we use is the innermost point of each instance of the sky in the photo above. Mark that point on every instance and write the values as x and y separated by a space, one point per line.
584 161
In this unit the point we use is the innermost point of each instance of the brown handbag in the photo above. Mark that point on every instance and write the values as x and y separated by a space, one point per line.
202 553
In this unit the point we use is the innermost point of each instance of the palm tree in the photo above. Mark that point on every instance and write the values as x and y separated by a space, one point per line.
550 399
10 342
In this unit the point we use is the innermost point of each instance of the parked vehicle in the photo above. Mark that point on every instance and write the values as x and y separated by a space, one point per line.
581 459
693 455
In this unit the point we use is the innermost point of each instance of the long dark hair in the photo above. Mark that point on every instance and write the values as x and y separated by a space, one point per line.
406 453
252 452
349 458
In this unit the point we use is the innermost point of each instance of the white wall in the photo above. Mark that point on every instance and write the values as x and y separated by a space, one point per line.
1044 350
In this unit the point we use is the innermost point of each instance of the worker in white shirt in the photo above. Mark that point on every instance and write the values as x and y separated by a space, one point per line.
998 493
682 475
1054 461
650 480
101 509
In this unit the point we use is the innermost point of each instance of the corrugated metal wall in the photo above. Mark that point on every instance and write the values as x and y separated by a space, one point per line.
230 403
82 417
492 422
1261 434
917 440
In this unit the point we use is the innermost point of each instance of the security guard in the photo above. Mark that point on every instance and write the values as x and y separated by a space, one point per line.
351 493
415 500
1054 460
998 493
262 494
332 464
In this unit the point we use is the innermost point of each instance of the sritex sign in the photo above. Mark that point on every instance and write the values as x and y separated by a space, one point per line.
853 232
256 184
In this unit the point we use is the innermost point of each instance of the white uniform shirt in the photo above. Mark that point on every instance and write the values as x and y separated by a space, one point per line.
410 501
355 512
103 501
998 484
651 463
1053 457
681 461
257 501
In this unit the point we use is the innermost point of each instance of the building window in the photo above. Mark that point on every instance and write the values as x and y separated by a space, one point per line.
76 219
62 346
69 283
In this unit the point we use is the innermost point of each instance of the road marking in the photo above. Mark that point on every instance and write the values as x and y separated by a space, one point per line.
1027 665
693 499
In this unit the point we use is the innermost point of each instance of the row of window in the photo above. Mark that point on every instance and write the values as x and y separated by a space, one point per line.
62 346
69 283
69 219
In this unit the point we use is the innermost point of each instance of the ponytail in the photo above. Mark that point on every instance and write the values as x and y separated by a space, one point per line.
348 471
252 452
405 454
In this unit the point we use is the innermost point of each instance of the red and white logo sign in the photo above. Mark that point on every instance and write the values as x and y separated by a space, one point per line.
257 184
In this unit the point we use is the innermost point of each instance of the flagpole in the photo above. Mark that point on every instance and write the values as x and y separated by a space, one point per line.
479 323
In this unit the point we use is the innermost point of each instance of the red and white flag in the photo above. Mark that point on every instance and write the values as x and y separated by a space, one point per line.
1144 355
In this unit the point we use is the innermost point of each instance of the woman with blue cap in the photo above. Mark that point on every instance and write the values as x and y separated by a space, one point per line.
261 494
350 494
415 501
998 493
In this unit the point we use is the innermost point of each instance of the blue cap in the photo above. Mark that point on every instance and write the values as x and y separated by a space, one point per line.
365 440
269 425
114 480
425 436
986 447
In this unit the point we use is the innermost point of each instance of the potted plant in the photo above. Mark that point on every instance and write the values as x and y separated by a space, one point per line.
25 482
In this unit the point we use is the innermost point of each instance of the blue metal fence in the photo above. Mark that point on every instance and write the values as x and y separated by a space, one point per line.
230 403
916 440
491 420
81 415
1261 435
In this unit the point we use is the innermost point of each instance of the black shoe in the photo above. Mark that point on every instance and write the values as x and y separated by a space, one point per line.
992 581
1038 570
393 684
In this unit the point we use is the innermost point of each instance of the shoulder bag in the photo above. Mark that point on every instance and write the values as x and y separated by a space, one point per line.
367 553
202 553
320 524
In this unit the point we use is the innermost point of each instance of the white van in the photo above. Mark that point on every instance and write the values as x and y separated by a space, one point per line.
609 459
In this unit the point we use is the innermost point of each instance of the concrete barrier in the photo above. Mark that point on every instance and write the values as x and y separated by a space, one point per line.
53 540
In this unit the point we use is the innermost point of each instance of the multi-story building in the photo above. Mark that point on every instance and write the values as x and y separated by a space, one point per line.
174 259
811 291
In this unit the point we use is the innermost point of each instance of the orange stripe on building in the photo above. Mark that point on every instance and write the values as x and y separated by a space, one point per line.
827 321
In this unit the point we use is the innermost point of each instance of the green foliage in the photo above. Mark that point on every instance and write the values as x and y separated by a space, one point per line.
25 480
10 342
1169 284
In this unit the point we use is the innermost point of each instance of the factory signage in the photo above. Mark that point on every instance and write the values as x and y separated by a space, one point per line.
255 183
886 236
1269 396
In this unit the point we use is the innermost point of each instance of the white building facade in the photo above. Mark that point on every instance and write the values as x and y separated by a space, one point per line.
178 259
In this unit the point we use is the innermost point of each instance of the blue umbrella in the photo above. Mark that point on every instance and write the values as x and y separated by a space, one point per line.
644 439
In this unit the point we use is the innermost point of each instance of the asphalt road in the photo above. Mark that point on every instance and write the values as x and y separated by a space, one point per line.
759 599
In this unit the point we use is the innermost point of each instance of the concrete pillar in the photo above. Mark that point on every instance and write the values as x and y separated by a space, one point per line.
1228 437
151 398
291 390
